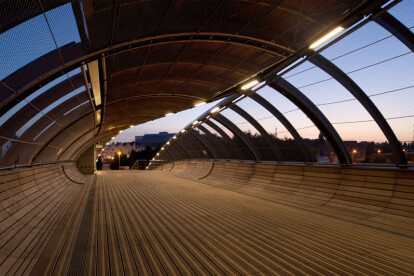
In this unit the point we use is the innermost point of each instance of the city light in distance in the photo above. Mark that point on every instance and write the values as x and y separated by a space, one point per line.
250 84
326 37
200 104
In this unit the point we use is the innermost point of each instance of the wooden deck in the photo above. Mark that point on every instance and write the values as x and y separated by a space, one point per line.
156 223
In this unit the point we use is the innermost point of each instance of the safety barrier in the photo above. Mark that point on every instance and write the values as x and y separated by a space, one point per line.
382 197
32 203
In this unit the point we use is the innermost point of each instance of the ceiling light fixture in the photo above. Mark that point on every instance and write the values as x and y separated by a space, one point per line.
326 37
195 122
250 84
200 104
182 131
120 131
168 114
214 110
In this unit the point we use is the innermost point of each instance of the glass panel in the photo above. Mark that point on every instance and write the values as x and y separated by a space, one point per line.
318 147
32 39
239 121
404 12
63 24
235 144
282 141
30 98
382 66
47 109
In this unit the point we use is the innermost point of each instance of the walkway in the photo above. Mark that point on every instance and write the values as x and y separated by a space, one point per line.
156 223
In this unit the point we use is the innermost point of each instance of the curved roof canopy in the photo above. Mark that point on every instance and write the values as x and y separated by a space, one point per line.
77 72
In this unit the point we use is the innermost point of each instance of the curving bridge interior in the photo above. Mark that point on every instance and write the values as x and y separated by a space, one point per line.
278 175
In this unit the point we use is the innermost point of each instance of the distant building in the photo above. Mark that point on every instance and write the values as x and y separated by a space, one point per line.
154 140
110 150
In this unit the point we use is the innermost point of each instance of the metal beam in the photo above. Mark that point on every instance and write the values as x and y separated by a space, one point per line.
366 102
394 26
237 132
208 133
222 133
182 148
285 122
204 142
59 133
262 131
315 115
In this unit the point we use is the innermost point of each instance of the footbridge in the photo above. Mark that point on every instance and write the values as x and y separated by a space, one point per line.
300 163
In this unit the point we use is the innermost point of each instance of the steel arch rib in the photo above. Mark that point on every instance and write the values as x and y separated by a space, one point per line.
285 122
207 132
260 128
236 131
394 26
222 133
366 102
315 115
204 142
182 148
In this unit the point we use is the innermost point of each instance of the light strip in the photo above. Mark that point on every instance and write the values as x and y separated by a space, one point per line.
214 110
250 85
326 37
199 104
93 69
168 114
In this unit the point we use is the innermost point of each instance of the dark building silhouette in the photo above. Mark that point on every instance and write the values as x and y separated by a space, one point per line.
154 140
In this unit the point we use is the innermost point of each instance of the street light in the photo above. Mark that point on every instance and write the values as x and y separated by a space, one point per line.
119 160
353 153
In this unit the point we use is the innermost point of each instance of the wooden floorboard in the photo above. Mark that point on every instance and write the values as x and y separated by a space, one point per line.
153 223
